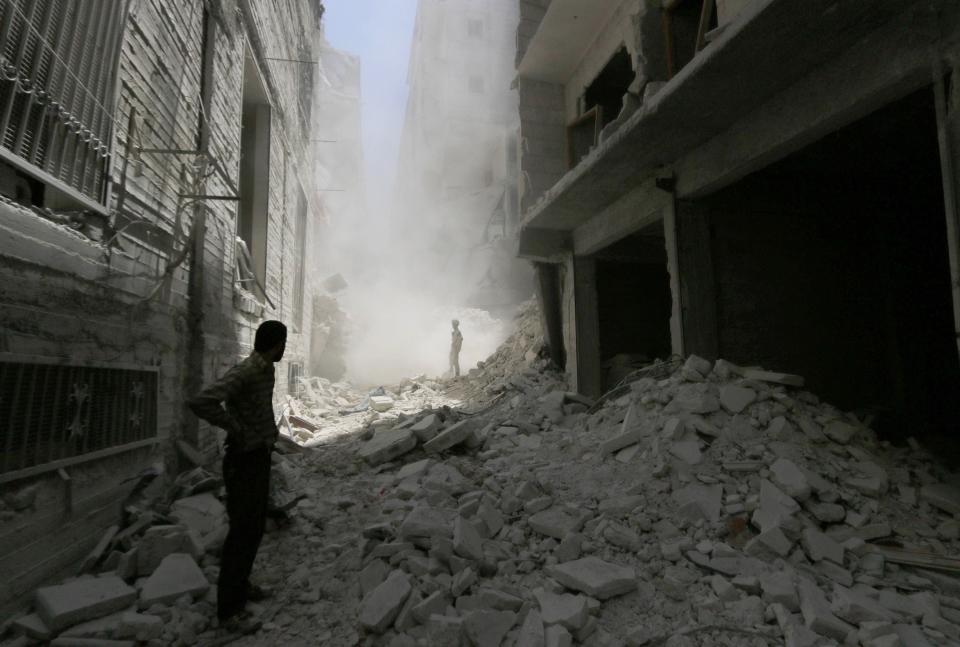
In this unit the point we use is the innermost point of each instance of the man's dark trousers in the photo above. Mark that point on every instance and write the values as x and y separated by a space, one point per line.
246 476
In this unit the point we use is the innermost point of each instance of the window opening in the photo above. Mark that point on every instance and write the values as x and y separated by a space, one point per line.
254 181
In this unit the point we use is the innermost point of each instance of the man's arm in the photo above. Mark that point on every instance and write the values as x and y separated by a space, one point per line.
208 404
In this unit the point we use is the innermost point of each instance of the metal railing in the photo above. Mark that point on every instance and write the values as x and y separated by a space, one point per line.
58 70
51 410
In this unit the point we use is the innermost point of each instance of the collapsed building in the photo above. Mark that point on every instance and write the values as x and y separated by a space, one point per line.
154 211
759 180
458 168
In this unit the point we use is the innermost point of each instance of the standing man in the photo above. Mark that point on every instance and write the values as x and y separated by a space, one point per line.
246 390
456 343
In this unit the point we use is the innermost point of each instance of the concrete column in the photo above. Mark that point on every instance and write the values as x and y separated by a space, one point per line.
548 296
948 132
588 376
673 268
697 291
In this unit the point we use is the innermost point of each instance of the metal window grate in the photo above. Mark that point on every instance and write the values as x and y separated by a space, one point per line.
58 65
53 411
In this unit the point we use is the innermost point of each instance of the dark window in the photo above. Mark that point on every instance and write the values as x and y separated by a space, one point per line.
58 67
611 84
254 182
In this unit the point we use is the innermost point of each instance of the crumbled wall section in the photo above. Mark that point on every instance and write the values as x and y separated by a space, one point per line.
62 295
543 152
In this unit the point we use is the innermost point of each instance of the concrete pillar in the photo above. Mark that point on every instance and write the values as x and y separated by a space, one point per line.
697 291
948 133
549 298
588 375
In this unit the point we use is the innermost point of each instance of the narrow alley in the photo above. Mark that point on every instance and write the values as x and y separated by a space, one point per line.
479 323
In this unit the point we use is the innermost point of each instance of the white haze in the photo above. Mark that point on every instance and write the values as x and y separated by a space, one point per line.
412 259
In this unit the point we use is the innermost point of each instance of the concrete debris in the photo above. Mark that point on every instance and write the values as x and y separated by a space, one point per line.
696 499
176 576
83 599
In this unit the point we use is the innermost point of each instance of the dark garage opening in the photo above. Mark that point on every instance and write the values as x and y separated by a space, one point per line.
833 264
633 302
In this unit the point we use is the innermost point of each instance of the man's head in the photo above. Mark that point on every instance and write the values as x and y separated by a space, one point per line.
456 324
271 340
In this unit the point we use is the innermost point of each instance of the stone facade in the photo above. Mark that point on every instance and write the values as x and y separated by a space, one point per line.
163 295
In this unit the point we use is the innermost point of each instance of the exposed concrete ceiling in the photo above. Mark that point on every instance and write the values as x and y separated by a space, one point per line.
568 30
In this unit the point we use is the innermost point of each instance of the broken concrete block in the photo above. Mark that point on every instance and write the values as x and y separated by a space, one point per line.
32 626
379 609
770 542
91 559
557 636
122 625
372 575
785 379
531 631
856 607
693 398
466 540
943 496
708 499
811 430
491 518
435 603
826 512
556 522
70 641
840 431
819 546
488 628
387 445
444 630
776 509
381 403
628 437
159 541
594 577
817 614
462 581
85 599
723 589
788 477
569 548
414 470
425 521
564 609
698 364
736 398
427 428
779 588
687 451
177 575
451 436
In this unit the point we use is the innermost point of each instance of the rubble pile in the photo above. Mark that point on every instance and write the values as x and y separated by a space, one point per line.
150 579
715 506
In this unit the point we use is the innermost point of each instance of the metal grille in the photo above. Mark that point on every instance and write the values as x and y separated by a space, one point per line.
58 65
50 412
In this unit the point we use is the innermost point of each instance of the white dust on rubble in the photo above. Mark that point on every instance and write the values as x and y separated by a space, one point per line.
699 506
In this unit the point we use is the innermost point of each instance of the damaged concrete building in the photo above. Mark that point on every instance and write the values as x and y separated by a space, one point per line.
458 166
154 210
760 180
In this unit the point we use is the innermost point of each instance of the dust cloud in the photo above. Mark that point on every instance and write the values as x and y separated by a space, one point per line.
422 219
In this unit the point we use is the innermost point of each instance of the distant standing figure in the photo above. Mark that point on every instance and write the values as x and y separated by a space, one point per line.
241 403
456 343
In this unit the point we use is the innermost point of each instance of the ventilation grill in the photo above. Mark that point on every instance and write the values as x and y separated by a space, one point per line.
50 412
57 77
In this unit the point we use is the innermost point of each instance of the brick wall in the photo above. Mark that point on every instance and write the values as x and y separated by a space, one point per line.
542 138
62 295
